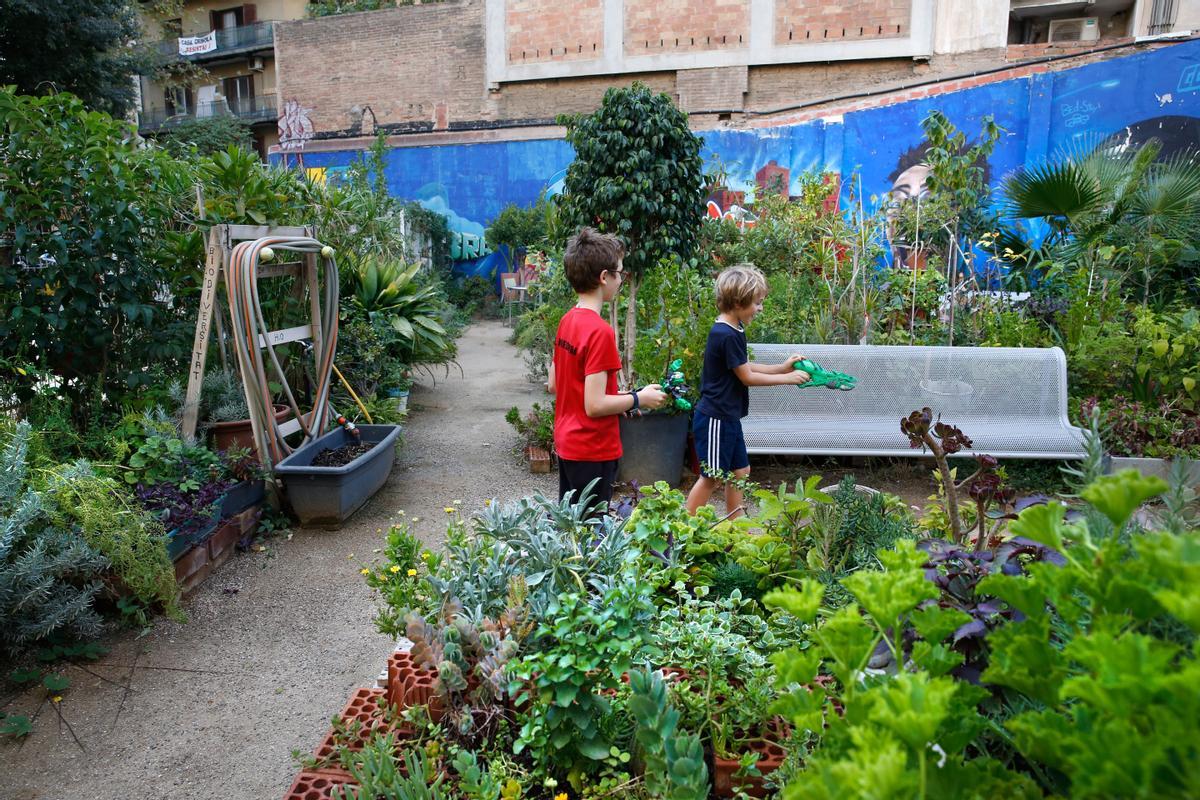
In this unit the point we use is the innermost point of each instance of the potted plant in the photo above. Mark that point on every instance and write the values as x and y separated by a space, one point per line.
223 413
331 477
395 384
536 430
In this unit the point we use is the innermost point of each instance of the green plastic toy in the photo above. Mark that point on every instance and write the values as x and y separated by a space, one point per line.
674 384
823 377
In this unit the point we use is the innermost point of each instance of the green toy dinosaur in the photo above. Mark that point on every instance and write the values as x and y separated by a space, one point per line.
823 377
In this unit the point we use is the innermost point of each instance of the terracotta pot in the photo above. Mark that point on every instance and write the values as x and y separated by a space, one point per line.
239 433
364 712
770 757
539 459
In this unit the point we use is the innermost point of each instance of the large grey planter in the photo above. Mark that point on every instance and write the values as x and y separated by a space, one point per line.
1160 467
654 447
327 496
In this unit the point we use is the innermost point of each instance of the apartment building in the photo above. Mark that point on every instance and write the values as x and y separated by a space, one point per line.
231 51
471 65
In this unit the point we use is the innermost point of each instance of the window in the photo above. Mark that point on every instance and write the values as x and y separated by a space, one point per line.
228 18
239 93
179 100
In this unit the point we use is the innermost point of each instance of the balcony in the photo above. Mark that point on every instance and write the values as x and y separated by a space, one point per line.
261 108
230 41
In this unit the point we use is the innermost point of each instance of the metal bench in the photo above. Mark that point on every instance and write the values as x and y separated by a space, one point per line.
1011 402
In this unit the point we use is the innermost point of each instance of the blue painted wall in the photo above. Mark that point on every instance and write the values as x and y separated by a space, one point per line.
1120 100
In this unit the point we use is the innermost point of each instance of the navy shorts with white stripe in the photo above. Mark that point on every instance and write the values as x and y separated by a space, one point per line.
719 443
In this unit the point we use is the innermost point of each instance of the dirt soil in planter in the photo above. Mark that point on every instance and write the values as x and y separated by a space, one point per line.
341 456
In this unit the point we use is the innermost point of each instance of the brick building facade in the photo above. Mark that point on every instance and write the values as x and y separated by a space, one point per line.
463 70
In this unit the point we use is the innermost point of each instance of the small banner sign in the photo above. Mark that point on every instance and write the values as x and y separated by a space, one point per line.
189 45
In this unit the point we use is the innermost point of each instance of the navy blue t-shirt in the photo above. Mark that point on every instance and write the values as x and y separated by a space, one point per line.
722 393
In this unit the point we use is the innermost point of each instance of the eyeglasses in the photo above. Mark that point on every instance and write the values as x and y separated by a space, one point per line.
620 273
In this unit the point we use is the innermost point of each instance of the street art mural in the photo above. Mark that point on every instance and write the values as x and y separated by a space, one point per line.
1118 103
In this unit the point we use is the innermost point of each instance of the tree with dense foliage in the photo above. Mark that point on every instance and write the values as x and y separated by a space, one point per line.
80 46
82 215
208 135
638 174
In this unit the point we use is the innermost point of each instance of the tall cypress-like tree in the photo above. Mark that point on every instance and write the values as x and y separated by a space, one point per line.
85 47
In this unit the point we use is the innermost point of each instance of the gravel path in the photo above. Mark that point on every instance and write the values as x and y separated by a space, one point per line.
277 640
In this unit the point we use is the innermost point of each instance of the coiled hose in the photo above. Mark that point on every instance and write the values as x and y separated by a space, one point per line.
247 322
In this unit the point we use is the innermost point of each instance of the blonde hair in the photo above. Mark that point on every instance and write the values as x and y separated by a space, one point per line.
739 286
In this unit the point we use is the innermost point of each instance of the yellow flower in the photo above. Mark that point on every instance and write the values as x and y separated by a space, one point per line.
383 576
56 699
412 573
560 796
394 568
425 555
448 509
365 571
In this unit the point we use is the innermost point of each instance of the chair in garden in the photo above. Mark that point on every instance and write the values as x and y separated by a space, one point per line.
1011 402
513 292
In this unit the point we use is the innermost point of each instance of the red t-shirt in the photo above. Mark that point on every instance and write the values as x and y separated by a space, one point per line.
584 345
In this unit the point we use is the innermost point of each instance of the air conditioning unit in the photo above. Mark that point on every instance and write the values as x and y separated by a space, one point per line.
1079 29
256 64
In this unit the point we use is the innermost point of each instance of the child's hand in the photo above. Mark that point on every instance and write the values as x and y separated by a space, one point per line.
652 396
792 359
797 377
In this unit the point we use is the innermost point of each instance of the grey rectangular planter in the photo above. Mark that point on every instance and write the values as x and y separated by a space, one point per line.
327 496
1160 467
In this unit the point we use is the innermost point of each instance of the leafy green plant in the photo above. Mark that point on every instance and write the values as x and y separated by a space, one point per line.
1123 214
222 398
518 228
390 290
49 577
207 135
637 173
580 647
675 766
79 284
536 428
167 459
1085 663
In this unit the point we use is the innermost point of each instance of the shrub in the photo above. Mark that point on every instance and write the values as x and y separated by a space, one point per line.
49 577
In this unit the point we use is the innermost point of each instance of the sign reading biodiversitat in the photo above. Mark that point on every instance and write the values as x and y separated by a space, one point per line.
189 45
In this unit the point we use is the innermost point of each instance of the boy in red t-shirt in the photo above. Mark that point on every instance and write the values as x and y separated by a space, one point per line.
583 372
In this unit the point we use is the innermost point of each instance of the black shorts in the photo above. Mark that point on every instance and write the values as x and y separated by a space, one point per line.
576 475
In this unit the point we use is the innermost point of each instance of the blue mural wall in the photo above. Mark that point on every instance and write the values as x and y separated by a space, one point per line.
1118 102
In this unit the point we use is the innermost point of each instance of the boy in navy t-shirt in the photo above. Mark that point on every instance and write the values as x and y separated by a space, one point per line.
724 386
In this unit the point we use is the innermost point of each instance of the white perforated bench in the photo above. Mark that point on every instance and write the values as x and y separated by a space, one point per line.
1010 401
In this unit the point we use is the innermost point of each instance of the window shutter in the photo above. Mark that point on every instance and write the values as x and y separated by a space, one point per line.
249 14
214 20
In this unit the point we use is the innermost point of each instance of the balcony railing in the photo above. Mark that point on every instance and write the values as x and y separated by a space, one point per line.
261 108
244 38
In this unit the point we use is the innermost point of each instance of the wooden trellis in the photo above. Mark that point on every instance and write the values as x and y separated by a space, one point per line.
221 241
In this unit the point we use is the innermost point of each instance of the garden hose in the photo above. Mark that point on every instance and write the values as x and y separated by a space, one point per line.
248 321
350 389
